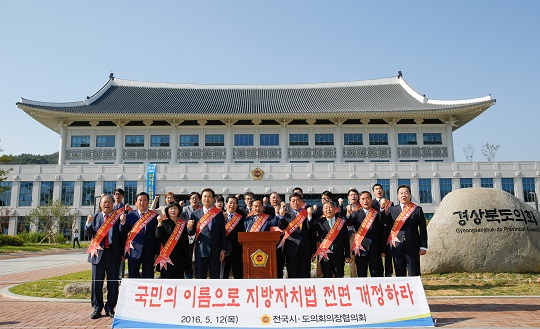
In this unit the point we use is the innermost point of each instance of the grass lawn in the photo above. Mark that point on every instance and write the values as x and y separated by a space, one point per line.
451 284
33 247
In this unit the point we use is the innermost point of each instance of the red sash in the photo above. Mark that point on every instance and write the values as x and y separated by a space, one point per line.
142 222
259 223
400 220
329 239
251 212
293 225
210 214
231 224
166 250
103 231
362 231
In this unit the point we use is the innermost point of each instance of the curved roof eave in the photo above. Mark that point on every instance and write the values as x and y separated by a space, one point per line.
462 115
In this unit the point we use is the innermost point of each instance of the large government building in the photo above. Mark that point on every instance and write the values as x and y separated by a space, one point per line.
258 138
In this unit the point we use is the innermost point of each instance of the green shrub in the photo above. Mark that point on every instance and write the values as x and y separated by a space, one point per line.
31 237
9 240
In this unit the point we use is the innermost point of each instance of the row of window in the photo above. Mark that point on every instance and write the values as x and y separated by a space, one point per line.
130 188
67 194
249 140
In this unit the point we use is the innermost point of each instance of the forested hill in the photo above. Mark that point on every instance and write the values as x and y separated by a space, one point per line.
29 159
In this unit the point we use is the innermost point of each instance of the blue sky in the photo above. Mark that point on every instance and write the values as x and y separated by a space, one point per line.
62 51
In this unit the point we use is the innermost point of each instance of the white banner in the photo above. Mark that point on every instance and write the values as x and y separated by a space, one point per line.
273 303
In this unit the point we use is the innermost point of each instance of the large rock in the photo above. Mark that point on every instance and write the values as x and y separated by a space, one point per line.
496 232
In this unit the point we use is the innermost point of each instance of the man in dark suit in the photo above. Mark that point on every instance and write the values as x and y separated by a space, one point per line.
300 245
145 245
338 243
194 204
105 261
208 226
368 229
250 222
382 204
248 199
233 225
408 235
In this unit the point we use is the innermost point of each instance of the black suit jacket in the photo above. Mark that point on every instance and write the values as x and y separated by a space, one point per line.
340 246
304 237
232 244
118 239
146 238
210 242
413 234
374 239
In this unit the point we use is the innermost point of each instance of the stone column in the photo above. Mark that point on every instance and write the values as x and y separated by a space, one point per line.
63 144
450 139
120 142
392 140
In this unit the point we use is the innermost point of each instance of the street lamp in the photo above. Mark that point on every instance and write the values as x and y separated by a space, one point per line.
535 199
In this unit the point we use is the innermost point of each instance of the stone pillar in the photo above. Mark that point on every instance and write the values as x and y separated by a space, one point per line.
174 144
63 144
120 142
392 140
284 141
338 139
12 226
450 139
229 143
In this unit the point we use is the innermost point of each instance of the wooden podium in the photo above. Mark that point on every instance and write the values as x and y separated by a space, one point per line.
259 254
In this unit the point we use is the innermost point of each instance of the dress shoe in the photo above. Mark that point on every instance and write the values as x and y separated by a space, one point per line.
95 315
109 314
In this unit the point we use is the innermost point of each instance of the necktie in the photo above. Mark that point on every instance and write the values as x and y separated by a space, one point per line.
106 242
331 223
229 217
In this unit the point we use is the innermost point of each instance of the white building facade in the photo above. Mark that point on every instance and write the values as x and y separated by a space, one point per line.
263 138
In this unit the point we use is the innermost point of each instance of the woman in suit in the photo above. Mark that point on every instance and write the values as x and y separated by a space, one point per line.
179 255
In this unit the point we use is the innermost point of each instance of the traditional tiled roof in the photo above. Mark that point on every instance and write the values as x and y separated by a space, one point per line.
381 98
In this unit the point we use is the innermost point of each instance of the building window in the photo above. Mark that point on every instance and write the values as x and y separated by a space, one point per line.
80 141
378 139
298 139
269 140
404 181
486 182
528 189
407 139
109 187
445 186
243 139
134 141
424 186
189 140
25 194
68 191
324 139
353 139
385 183
5 197
105 141
130 190
508 185
214 140
432 139
159 141
465 182
46 193
88 192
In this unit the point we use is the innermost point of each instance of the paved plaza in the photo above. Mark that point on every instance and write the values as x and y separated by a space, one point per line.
23 312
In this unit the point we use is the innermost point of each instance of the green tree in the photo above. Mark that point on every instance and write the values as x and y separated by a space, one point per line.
52 218
3 172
